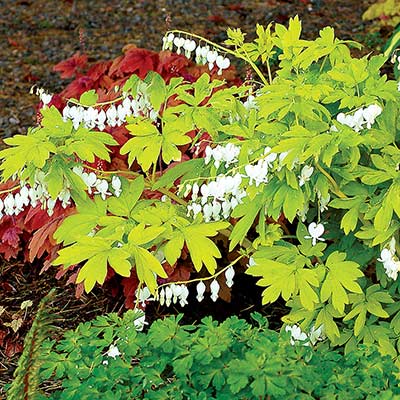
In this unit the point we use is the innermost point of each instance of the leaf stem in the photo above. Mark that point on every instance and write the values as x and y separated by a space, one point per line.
10 190
226 50
335 186
205 278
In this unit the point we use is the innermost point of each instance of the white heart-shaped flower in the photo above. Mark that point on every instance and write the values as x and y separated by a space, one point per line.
222 62
316 230
212 57
179 41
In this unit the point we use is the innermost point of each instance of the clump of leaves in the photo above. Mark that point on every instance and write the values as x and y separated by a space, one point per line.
299 175
107 357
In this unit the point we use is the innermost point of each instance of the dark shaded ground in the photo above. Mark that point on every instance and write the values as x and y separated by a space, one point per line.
35 35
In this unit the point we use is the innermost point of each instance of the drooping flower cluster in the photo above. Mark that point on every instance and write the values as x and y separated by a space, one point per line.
203 54
363 116
300 337
114 116
178 293
216 199
173 294
13 204
259 172
390 262
99 186
226 155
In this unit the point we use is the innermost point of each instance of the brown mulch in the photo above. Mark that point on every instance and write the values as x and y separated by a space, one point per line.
37 34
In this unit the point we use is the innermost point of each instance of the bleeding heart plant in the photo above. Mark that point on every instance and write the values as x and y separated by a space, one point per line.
189 159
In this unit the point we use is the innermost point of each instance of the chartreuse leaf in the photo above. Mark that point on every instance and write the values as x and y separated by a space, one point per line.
248 210
203 250
131 191
89 98
156 89
145 146
93 249
287 278
326 318
384 215
33 148
82 223
147 267
187 170
140 235
340 279
196 236
94 270
118 259
53 123
173 248
174 134
87 144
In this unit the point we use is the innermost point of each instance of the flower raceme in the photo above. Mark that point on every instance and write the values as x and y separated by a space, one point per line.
178 293
363 116
203 54
91 117
13 204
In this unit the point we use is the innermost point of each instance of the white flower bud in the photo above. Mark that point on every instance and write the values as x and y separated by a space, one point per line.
168 296
229 274
214 287
201 288
184 295
162 296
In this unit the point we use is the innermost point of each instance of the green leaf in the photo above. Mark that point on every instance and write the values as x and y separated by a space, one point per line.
147 267
130 194
94 270
248 210
203 250
89 98
187 170
341 277
118 259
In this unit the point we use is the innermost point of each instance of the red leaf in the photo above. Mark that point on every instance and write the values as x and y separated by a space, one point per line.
130 285
97 71
42 240
11 236
3 334
135 60
72 66
172 64
77 87
179 272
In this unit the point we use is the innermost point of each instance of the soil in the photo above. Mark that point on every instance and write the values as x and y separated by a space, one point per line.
37 34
